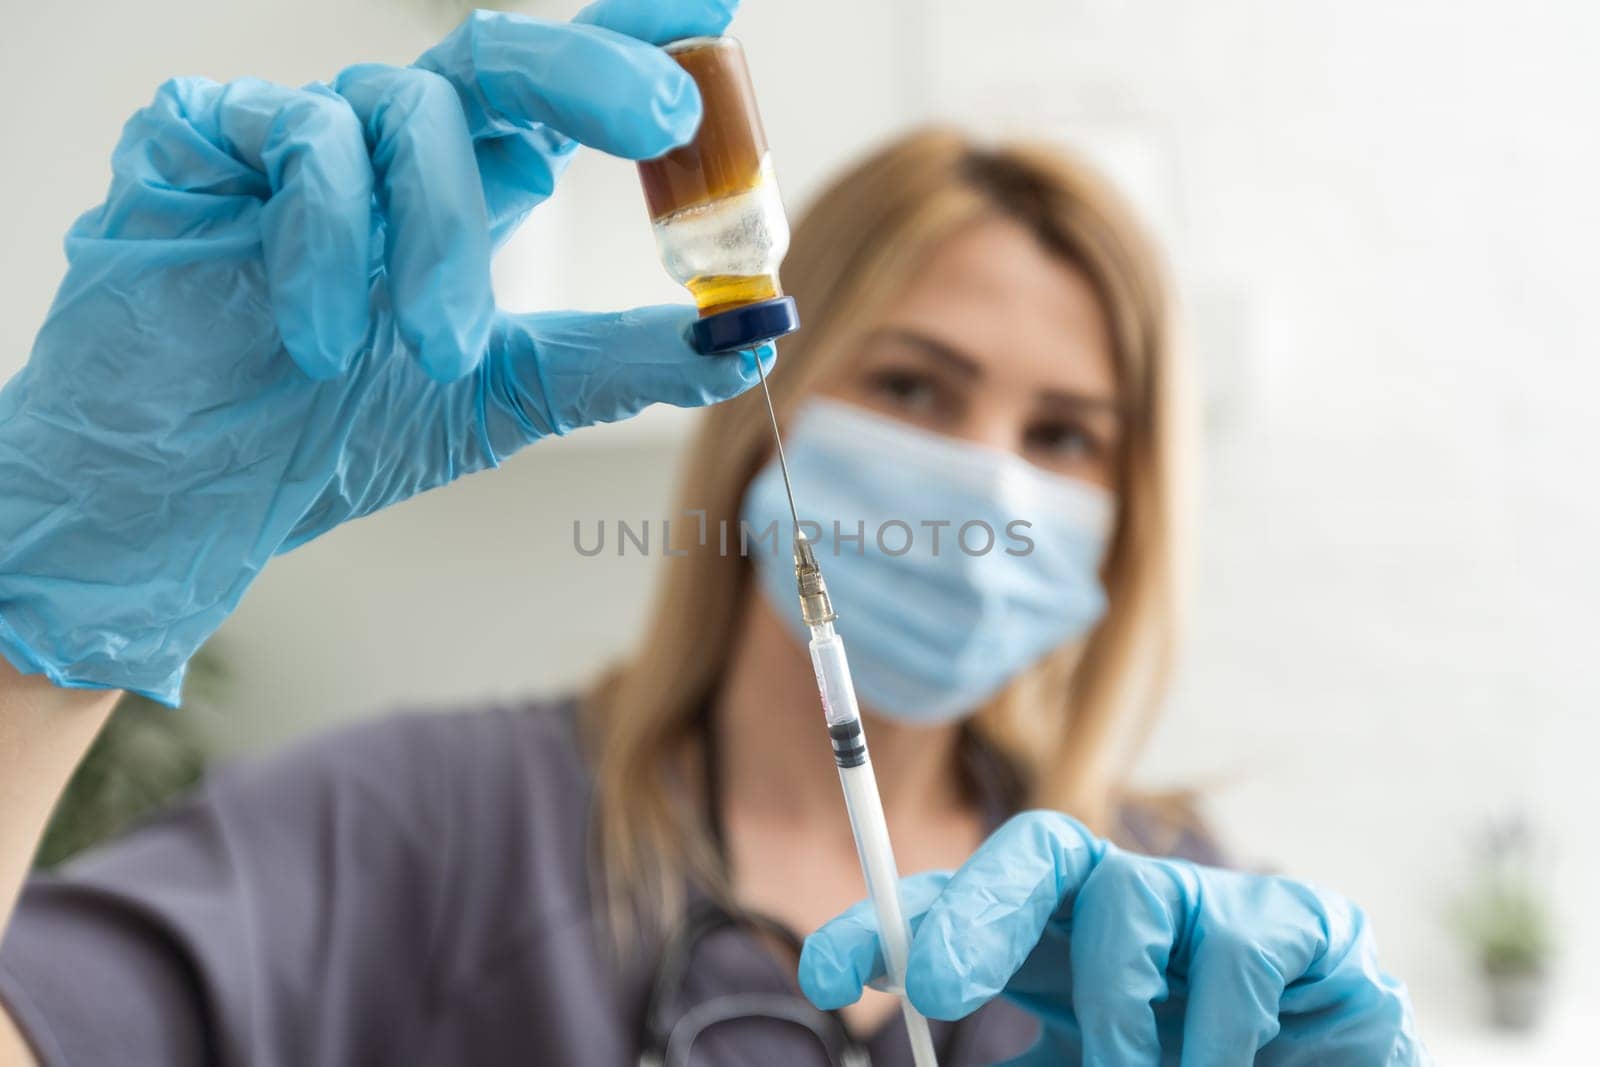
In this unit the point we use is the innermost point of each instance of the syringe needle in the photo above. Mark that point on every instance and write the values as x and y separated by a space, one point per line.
777 438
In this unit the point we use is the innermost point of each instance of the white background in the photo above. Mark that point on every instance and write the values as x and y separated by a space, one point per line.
1385 219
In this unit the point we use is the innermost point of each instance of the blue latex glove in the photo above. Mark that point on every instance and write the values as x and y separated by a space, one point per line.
1127 960
281 319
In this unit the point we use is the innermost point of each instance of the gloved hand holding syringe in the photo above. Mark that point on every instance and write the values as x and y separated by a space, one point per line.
722 233
860 787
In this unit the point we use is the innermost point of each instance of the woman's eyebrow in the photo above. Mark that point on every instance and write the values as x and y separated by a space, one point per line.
960 363
1067 398
940 351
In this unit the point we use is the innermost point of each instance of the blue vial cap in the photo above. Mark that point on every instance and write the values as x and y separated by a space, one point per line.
745 327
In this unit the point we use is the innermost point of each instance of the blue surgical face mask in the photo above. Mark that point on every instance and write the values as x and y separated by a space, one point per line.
953 567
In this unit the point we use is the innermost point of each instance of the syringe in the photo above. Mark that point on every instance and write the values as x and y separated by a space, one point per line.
861 798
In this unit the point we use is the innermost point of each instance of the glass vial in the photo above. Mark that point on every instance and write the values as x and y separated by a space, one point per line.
719 221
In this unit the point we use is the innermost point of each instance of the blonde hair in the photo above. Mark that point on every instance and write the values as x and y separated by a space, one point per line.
1067 726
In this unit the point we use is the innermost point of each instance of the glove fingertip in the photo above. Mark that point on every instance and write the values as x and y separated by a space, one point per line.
932 1000
934 987
658 23
767 354
315 367
447 363
451 347
319 359
678 111
726 376
826 980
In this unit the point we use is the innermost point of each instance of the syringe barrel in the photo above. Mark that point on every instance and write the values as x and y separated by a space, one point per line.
867 823
860 792
833 676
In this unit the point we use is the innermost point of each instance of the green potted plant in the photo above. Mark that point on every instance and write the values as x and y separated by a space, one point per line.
1507 925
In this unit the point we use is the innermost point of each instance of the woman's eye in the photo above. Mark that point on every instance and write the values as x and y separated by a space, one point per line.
1063 441
906 390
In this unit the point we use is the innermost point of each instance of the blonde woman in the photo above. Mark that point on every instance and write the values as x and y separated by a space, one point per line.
234 366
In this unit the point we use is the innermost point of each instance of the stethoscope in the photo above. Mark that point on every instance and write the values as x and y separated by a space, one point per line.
669 1039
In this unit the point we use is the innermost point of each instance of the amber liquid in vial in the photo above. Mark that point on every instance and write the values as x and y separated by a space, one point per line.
714 202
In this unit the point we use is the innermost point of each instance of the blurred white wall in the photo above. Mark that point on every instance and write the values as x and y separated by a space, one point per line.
1385 222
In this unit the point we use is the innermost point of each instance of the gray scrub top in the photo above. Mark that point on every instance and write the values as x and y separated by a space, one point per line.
408 891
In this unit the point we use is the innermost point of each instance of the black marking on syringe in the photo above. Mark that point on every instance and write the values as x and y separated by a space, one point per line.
849 746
